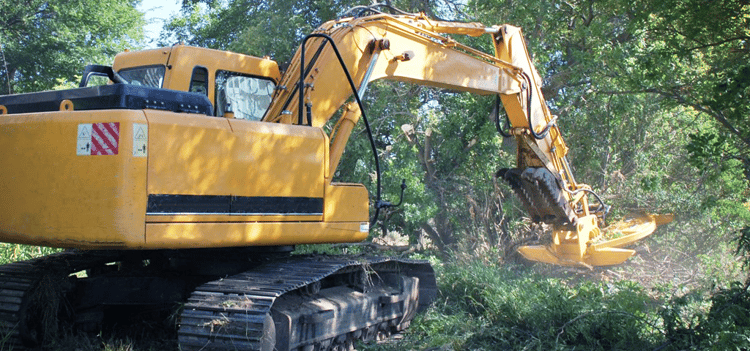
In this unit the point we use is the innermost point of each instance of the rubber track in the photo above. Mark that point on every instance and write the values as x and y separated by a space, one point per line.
16 279
214 320
19 279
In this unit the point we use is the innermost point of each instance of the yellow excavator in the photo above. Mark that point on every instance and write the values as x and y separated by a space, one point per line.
191 175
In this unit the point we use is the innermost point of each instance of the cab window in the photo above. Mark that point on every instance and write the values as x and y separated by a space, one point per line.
152 76
246 96
199 81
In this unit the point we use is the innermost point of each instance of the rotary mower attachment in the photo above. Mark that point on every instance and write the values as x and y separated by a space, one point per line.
585 244
577 239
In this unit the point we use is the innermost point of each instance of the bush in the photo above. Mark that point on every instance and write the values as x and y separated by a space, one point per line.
493 307
725 326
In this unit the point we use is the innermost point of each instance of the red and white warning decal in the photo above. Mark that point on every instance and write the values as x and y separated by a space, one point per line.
98 139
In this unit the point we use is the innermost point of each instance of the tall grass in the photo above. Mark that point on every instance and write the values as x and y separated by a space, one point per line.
486 306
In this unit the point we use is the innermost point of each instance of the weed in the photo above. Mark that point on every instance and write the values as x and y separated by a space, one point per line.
5 337
217 323
18 252
504 307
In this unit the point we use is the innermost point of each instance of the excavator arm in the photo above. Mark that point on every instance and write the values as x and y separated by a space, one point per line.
344 55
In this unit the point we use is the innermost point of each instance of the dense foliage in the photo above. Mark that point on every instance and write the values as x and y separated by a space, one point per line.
47 42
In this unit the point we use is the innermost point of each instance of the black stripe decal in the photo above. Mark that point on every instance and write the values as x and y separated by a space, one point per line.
160 204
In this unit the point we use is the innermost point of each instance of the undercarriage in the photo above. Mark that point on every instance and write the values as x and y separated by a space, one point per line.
226 299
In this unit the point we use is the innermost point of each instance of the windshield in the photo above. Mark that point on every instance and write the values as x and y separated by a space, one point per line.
152 76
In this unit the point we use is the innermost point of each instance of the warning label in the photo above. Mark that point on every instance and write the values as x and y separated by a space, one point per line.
98 139
83 148
140 140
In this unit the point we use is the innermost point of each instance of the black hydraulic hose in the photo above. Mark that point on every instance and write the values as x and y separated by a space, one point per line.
301 83
296 86
403 187
309 114
90 70
329 40
599 199
497 119
530 94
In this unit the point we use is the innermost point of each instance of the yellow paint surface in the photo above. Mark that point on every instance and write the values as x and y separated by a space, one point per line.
52 196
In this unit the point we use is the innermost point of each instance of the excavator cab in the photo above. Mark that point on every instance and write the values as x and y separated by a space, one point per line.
238 86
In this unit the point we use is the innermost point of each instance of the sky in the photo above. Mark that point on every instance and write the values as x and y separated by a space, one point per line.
157 12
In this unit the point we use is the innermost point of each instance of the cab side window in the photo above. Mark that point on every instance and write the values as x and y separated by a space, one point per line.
152 76
199 81
246 96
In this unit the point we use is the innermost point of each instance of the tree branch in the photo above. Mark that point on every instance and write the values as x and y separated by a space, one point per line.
7 72
718 43
716 115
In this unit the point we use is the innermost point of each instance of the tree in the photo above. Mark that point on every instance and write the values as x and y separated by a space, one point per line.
255 27
696 57
44 41
711 41
268 27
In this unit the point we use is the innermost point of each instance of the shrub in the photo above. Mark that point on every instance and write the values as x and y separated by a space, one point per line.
504 307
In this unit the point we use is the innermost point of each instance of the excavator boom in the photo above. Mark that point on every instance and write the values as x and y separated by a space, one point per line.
415 49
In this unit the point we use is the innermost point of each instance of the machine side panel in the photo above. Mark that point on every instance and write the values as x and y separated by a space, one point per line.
213 159
215 182
62 185
346 202
245 183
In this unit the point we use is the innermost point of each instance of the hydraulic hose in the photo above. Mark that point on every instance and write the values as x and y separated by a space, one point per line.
300 85
529 97
598 199
497 119
296 86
